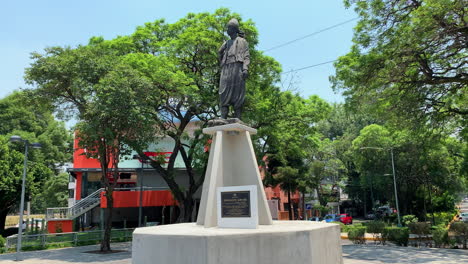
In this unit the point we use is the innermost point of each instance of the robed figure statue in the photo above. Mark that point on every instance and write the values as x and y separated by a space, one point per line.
234 58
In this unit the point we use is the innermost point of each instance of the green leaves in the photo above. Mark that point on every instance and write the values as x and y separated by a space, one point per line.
408 61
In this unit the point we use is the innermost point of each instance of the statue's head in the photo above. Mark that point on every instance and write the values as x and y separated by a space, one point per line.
232 27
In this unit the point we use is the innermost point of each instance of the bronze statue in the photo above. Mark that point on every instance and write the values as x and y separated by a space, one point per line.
234 58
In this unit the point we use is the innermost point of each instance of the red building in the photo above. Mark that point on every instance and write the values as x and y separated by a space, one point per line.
138 184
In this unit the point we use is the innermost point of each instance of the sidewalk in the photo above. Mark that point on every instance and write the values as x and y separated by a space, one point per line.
352 254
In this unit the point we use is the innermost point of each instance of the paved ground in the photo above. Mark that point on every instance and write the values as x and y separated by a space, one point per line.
352 254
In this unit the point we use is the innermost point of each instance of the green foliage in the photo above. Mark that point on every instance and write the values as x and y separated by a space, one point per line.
407 61
460 229
375 226
397 235
346 228
2 242
356 234
54 193
24 116
441 218
322 208
440 236
419 228
408 219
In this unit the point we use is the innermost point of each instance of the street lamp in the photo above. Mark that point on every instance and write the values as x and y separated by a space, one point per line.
23 187
143 160
394 179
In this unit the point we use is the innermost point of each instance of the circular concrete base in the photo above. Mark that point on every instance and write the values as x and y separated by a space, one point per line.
280 243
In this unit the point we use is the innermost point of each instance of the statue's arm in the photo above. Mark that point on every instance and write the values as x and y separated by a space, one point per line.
221 52
246 55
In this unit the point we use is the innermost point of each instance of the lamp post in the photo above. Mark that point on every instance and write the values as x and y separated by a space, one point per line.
23 187
394 179
140 207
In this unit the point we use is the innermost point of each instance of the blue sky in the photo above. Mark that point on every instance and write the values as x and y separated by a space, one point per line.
32 25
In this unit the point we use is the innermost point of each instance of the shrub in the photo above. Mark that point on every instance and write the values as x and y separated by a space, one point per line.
441 217
356 234
346 228
407 219
2 244
460 229
440 236
376 228
397 235
421 229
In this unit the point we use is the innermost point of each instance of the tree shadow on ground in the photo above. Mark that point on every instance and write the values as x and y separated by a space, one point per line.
74 255
404 255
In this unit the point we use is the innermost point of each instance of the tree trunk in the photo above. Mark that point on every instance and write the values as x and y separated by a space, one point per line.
3 215
290 205
319 197
105 243
304 213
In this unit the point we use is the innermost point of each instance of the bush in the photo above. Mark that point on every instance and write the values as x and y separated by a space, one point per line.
408 219
460 229
441 217
421 229
392 218
346 228
397 235
2 244
440 236
376 228
356 234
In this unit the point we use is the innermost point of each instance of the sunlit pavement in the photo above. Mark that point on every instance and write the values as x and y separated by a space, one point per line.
352 254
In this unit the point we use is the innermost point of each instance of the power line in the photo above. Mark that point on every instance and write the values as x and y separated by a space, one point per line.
311 34
310 66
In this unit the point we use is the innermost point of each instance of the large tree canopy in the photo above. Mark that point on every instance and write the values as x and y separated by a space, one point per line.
163 76
408 60
35 123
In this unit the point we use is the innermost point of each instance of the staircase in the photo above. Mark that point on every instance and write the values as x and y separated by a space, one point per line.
81 207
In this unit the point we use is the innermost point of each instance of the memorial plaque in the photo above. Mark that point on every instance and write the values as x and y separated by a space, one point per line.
235 204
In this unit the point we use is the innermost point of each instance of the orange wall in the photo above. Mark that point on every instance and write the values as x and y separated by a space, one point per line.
54 226
132 199
80 160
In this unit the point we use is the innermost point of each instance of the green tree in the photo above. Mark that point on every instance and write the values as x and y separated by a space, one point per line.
179 63
408 61
54 193
23 116
424 165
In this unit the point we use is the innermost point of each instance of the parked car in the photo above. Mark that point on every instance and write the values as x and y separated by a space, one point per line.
331 218
315 219
370 215
346 219
463 217
384 211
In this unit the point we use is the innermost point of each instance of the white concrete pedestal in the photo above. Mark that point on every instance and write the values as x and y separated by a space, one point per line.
232 162
280 243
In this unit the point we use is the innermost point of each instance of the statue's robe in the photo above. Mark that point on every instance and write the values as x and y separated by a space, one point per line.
234 58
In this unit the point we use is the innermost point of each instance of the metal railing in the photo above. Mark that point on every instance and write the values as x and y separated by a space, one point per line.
81 207
88 203
67 239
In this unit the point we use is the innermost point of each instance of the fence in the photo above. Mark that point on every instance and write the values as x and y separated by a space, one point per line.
67 239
